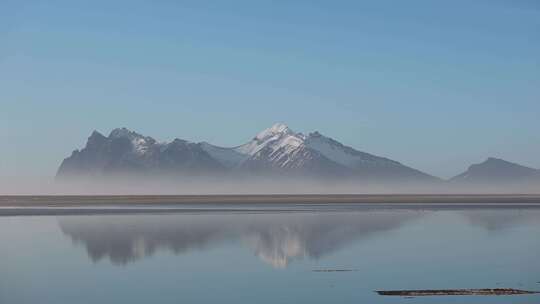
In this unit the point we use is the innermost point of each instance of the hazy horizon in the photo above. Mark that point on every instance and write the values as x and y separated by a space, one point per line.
255 185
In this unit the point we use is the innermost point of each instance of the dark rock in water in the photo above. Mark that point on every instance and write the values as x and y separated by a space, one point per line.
455 292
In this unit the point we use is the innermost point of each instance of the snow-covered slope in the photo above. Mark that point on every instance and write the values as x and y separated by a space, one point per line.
268 137
229 157
344 155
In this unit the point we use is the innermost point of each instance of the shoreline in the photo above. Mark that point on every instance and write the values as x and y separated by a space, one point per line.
86 200
90 205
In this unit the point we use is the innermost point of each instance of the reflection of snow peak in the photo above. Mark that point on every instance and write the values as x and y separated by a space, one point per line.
140 248
277 246
277 239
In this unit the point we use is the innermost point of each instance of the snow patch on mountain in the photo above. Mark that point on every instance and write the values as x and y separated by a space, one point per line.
229 157
268 137
141 144
342 154
333 152
276 129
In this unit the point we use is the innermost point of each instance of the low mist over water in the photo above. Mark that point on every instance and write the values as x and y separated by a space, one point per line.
243 185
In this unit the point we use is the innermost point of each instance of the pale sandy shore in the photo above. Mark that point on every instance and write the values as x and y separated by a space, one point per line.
81 205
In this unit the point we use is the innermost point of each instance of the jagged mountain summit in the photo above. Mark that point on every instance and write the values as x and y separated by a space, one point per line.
496 171
125 152
276 150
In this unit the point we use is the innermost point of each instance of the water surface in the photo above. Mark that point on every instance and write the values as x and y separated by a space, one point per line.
270 256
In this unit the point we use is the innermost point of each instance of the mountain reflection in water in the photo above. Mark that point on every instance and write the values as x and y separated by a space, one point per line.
276 238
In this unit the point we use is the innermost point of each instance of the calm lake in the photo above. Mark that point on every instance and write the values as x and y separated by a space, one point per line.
285 254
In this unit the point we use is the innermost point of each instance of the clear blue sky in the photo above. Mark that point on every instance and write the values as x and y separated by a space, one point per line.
434 84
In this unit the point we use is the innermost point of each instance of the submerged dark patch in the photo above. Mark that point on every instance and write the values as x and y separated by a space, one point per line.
455 292
334 270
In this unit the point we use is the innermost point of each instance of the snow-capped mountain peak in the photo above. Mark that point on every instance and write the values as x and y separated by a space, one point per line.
278 133
280 142
277 137
276 129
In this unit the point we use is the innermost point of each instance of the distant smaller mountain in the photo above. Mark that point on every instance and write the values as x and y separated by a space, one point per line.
495 171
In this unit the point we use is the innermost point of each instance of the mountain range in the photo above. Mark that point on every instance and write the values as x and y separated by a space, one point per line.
274 152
